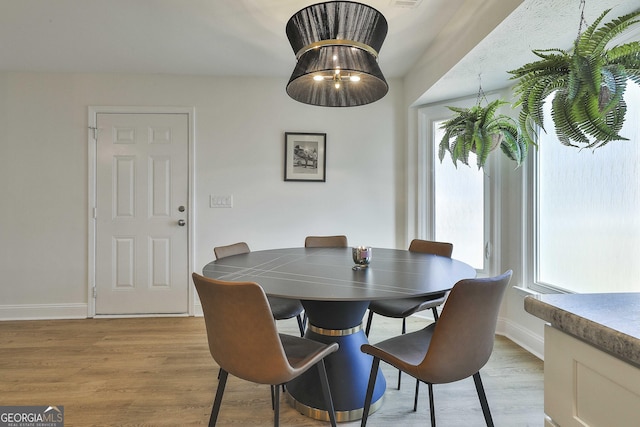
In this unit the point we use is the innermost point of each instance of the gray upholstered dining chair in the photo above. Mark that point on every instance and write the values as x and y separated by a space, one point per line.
282 308
244 341
455 347
325 241
401 308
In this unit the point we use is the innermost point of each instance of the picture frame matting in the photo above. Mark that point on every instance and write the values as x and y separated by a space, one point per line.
305 156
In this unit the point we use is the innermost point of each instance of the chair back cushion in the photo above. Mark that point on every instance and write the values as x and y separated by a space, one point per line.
241 331
229 250
464 334
325 242
431 247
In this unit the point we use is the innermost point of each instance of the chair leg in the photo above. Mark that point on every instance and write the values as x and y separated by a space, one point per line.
300 325
415 398
369 319
372 384
218 399
435 313
483 399
326 392
432 407
273 398
276 405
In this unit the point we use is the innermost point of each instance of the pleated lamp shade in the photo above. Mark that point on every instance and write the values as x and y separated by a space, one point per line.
336 44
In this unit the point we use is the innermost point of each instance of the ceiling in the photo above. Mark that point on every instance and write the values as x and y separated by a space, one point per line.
247 38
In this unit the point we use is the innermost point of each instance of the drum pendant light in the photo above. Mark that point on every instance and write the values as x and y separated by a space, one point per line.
336 45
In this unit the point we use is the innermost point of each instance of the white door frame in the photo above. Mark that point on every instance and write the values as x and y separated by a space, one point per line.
92 159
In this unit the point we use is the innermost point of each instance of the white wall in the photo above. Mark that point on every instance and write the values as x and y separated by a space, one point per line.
239 149
240 123
447 50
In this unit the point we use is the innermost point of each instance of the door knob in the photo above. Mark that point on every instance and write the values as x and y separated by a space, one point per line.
181 222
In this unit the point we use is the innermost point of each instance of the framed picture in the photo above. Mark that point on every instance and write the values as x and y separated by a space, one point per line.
305 156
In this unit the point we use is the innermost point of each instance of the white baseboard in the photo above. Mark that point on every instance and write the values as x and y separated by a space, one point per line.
526 339
197 310
43 311
57 311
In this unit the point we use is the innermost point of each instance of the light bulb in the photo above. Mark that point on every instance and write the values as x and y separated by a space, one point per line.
354 78
318 78
337 85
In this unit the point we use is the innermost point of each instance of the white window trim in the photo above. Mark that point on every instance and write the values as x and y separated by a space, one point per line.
427 115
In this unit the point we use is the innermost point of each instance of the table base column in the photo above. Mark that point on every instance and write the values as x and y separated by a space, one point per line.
348 371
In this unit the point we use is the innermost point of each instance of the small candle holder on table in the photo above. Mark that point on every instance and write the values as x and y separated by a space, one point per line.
362 257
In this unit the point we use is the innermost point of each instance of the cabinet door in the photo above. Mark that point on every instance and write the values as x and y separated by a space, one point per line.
584 386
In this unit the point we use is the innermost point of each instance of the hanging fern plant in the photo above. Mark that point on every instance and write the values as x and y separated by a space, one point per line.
588 108
479 130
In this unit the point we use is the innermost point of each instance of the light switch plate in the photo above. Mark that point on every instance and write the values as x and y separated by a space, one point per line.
221 201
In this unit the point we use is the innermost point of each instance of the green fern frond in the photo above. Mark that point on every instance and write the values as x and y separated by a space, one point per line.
603 35
634 75
587 71
537 95
458 110
596 124
550 64
586 44
575 82
528 127
513 144
482 147
514 147
490 110
588 106
474 129
615 118
564 121
443 147
542 53
627 54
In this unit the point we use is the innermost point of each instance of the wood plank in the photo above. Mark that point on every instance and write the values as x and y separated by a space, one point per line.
158 372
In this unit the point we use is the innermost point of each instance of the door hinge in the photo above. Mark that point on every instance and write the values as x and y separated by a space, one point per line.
95 132
95 213
95 292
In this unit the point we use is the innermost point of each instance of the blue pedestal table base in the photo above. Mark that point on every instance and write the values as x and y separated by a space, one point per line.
348 369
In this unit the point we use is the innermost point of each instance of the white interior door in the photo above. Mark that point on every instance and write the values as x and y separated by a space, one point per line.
141 258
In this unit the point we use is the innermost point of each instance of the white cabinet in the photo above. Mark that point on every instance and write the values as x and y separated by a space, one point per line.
584 386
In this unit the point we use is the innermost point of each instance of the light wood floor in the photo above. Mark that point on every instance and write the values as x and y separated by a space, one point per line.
158 372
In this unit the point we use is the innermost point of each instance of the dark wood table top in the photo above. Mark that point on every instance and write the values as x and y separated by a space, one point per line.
326 274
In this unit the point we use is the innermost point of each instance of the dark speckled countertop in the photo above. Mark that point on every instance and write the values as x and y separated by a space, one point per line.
610 322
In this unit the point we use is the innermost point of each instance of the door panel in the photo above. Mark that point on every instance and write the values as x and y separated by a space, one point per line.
141 184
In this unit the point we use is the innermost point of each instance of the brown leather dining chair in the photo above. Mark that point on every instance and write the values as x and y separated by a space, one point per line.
244 341
282 308
401 308
325 241
455 347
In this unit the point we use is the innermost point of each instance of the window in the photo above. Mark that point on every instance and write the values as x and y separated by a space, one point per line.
586 225
454 203
459 206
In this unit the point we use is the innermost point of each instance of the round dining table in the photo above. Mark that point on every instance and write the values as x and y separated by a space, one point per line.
335 296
